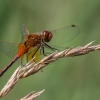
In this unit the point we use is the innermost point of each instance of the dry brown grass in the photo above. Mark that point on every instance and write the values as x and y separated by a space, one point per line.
32 68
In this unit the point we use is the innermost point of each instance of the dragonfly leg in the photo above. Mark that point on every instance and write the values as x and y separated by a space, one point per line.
50 47
35 51
46 45
43 50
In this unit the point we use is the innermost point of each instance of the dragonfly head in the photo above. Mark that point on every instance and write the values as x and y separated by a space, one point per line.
46 36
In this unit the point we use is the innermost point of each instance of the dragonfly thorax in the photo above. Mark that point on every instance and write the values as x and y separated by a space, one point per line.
33 40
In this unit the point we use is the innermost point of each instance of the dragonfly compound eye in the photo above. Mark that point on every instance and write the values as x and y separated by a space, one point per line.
47 36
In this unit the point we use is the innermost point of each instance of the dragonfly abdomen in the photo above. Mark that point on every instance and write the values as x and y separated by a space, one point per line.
8 66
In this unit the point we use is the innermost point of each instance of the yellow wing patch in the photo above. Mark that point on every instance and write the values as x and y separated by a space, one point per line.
33 53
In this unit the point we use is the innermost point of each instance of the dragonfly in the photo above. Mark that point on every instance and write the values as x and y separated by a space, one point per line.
37 44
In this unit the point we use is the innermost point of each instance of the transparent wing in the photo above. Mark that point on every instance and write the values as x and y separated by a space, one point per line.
64 35
8 49
25 33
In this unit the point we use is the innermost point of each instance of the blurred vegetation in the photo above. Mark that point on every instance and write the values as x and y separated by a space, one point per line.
73 79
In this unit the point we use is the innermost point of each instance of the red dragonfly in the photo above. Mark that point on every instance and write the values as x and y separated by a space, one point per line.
36 44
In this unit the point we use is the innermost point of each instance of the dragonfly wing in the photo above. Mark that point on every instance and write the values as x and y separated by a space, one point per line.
33 52
8 49
25 32
64 35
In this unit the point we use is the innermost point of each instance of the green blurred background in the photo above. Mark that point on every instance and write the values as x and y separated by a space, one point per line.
75 78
